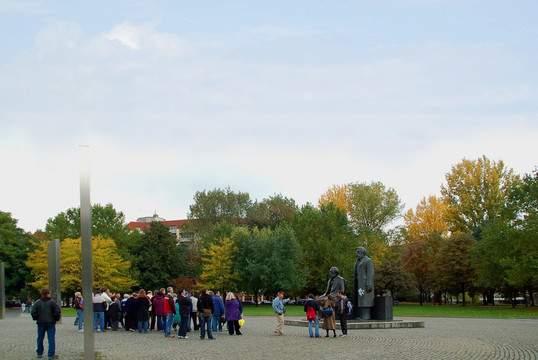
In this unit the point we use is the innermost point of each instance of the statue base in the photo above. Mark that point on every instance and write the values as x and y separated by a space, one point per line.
365 325
382 310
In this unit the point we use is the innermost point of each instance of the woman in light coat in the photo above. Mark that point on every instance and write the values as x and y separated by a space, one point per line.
329 323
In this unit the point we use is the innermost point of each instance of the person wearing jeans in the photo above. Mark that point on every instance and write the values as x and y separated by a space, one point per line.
98 318
218 311
206 307
170 312
314 305
142 311
79 306
46 313
99 305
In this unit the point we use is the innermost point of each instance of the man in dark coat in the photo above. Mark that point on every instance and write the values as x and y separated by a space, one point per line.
184 312
206 307
130 313
46 313
364 275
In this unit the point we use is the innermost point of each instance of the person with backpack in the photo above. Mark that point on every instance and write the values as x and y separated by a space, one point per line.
311 308
343 312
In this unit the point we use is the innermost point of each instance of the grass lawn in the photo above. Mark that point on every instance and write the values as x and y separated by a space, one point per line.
469 311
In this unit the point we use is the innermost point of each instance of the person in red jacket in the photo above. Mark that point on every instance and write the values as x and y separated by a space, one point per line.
170 311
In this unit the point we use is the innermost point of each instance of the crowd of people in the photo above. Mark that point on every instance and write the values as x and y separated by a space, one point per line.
166 311
163 310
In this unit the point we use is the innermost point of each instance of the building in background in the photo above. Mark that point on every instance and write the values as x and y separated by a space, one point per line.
175 226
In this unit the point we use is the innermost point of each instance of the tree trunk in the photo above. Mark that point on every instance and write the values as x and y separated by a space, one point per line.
484 298
421 294
530 288
463 293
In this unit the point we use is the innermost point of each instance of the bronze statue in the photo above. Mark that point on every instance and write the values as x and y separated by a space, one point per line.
335 283
364 277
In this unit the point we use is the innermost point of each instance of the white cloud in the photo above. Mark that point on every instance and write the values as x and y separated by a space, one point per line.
57 35
166 116
144 37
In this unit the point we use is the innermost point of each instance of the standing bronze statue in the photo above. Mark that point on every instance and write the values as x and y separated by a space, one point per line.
364 283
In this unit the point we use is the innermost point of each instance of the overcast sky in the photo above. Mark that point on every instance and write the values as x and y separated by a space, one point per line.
266 97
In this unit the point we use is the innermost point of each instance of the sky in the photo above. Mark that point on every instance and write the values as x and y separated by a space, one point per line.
266 97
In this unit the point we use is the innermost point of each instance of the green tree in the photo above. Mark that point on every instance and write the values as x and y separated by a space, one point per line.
373 207
106 221
452 269
215 206
326 240
160 259
268 260
476 191
495 241
271 212
391 276
14 245
523 264
418 258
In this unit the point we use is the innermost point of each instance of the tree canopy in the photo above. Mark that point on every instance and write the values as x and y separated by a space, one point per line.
326 239
14 245
271 212
218 205
373 207
109 269
476 191
160 259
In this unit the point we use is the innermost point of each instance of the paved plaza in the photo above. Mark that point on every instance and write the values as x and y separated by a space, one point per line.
441 338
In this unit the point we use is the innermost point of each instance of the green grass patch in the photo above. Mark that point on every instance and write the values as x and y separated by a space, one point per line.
468 311
427 310
67 311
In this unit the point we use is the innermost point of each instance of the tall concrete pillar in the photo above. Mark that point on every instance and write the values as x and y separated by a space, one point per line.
86 244
54 271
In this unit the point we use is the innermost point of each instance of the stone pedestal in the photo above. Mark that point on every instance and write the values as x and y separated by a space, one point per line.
383 308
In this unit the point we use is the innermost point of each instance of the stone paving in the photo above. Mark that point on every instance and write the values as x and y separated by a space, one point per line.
441 338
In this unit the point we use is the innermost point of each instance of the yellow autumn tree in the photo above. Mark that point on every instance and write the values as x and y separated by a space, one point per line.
109 269
339 195
218 271
477 191
428 219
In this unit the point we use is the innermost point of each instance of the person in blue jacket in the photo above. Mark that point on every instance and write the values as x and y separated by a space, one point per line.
216 324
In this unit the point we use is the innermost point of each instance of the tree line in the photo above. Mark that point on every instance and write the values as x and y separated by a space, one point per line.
478 236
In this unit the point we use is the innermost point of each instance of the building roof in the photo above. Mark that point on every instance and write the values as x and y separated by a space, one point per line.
143 225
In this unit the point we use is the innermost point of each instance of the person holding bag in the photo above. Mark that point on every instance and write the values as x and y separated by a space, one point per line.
206 307
329 321
233 314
